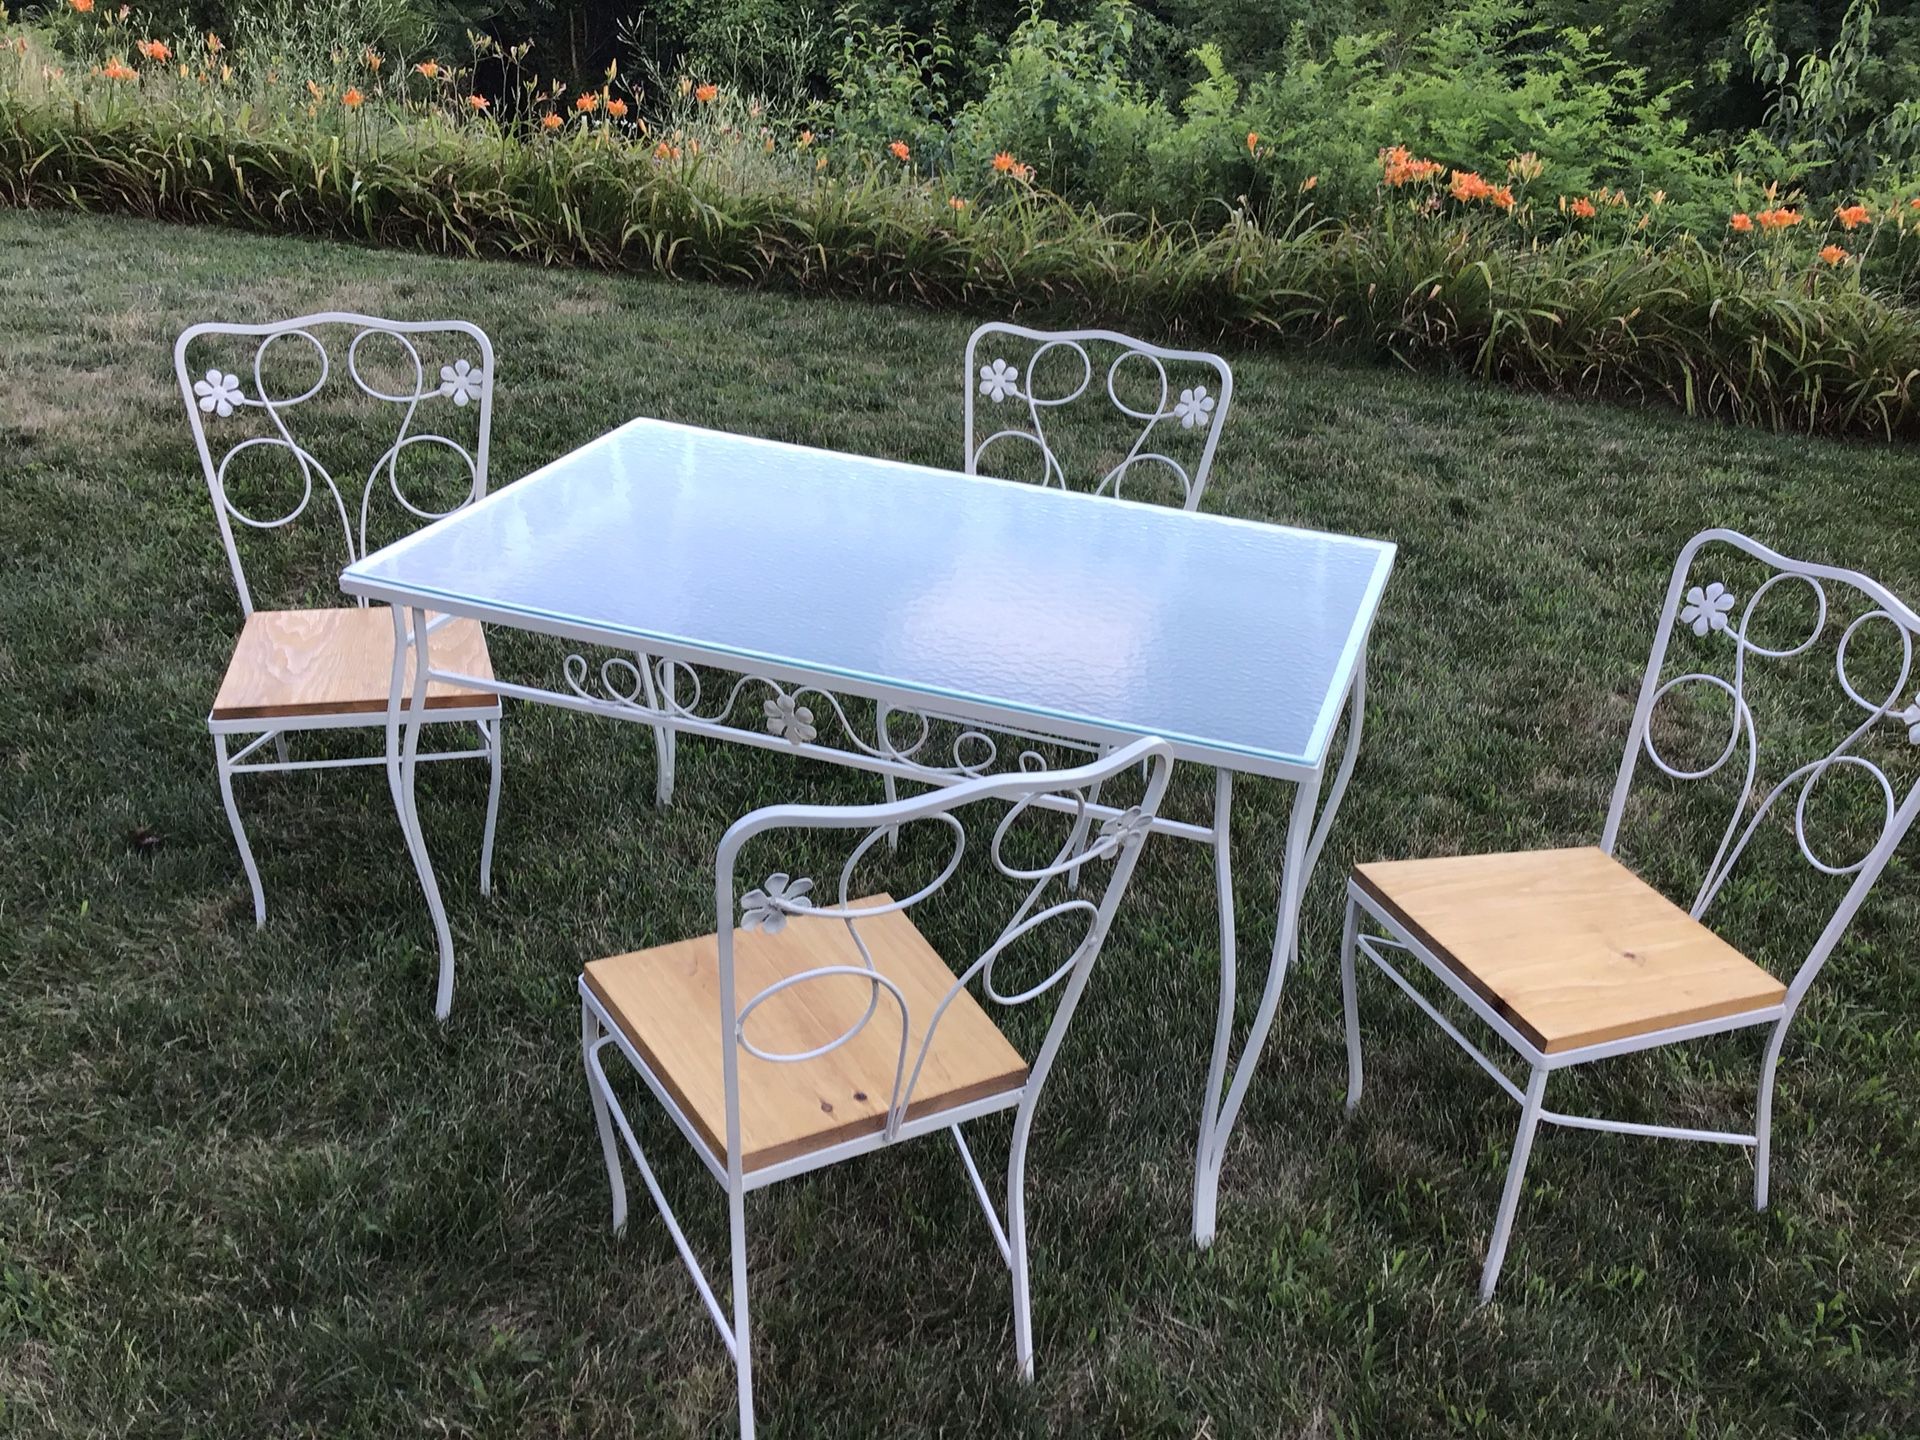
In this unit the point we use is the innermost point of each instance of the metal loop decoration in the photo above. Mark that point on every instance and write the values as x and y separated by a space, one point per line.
1707 614
767 907
217 395
670 689
1194 407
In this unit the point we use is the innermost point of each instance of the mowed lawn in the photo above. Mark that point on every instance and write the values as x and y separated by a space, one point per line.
249 1186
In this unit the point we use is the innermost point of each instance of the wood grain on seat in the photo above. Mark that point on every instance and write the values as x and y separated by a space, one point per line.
667 1001
1570 946
339 662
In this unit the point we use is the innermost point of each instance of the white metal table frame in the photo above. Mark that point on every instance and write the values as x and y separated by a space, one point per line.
644 691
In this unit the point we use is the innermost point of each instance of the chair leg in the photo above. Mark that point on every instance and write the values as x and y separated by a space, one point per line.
1017 1246
1763 1120
602 1117
742 1332
224 769
493 737
1350 1003
1516 1173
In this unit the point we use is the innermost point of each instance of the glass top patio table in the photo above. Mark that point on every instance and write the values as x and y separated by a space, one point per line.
983 598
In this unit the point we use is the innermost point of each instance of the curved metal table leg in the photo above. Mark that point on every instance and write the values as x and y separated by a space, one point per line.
402 763
1305 839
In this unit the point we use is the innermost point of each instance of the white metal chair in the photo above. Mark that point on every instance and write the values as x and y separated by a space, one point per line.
332 669
1567 955
1011 363
854 1034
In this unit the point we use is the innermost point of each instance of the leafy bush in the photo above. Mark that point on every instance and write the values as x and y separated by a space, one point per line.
1442 268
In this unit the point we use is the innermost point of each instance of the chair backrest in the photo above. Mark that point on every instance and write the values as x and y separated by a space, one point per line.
1732 637
1165 400
1084 914
432 371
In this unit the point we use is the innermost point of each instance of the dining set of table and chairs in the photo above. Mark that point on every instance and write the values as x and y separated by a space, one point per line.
1030 662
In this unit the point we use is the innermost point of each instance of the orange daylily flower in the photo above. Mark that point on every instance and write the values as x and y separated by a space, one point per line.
374 60
428 68
81 7
1852 217
1501 197
1742 222
1004 161
479 102
898 149
617 108
957 203
707 94
1309 182
1253 140
1398 167
155 50
1467 185
353 99
664 151
1779 218
550 121
587 103
1834 255
1583 208
118 69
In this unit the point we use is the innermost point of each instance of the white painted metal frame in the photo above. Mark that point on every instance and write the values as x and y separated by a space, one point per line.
1705 610
769 906
216 395
991 378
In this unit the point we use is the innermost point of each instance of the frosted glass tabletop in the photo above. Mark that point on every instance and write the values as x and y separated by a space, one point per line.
1233 639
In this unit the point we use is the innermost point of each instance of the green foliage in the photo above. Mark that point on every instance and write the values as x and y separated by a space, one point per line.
1824 127
1762 334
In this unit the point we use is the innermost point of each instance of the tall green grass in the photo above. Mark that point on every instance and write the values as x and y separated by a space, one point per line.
1762 337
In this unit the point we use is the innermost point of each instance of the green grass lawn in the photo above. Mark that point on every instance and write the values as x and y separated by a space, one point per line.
249 1187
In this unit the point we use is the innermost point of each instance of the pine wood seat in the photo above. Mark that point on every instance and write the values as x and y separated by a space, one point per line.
666 1001
291 663
1570 946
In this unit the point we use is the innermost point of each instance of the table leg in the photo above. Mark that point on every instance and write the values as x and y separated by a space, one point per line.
402 764
1305 838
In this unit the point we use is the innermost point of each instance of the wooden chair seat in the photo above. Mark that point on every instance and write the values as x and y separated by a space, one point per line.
1571 947
290 663
667 1002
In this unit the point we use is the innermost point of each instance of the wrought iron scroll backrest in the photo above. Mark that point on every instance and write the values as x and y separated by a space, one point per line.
1714 633
1009 402
456 378
768 906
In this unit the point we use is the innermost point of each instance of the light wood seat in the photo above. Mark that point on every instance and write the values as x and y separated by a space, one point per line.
666 1001
1570 946
291 663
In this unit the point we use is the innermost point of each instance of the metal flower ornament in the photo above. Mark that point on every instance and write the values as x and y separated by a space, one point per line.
219 393
766 907
462 381
791 720
1126 829
999 380
1195 408
1707 609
